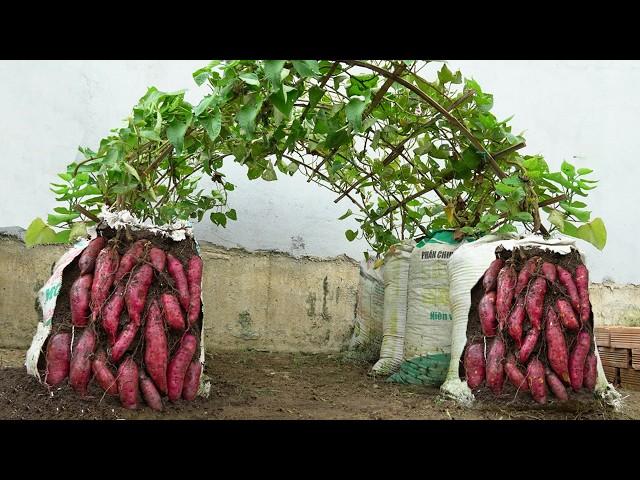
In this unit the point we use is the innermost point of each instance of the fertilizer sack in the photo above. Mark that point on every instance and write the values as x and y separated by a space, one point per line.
427 339
396 279
367 332
524 359
60 317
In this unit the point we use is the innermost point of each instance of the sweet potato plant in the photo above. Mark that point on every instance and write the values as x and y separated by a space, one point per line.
408 154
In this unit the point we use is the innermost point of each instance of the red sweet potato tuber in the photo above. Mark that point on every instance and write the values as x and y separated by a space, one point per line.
177 368
534 302
172 312
135 296
111 314
577 360
194 277
156 353
487 313
158 258
491 275
516 320
79 298
130 258
516 377
549 272
103 374
582 284
176 270
524 276
103 277
504 293
149 391
87 261
528 345
80 366
590 372
495 369
58 353
474 366
535 377
567 317
566 280
556 346
128 383
124 341
556 386
192 380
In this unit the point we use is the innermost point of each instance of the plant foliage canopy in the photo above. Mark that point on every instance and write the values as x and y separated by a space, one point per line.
410 154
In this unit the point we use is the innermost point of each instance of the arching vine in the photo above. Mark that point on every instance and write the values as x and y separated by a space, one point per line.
407 154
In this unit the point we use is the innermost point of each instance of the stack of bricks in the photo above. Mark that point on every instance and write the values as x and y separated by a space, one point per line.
619 349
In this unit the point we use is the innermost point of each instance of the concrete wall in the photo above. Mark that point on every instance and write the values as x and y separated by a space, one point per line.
259 300
581 111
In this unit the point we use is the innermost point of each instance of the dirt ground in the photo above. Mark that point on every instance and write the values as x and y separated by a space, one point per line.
260 385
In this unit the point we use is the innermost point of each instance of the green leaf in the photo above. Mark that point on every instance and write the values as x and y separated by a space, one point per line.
213 124
151 135
351 235
246 117
535 167
507 228
558 178
315 94
269 174
584 171
568 169
273 70
594 233
204 104
556 218
250 79
218 218
254 172
229 187
502 206
39 232
354 110
78 230
201 75
361 85
61 218
292 168
175 134
284 103
306 68
347 214
522 217
337 138
445 75
132 171
582 215
489 218
232 214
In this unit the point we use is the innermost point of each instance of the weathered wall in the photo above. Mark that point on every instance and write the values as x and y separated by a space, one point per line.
23 271
261 300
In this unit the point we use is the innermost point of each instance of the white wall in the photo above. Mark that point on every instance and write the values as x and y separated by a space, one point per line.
582 109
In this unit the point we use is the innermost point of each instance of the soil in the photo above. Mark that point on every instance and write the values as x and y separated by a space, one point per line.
261 385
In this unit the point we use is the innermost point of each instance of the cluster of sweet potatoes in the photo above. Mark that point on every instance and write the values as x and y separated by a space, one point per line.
124 309
535 329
